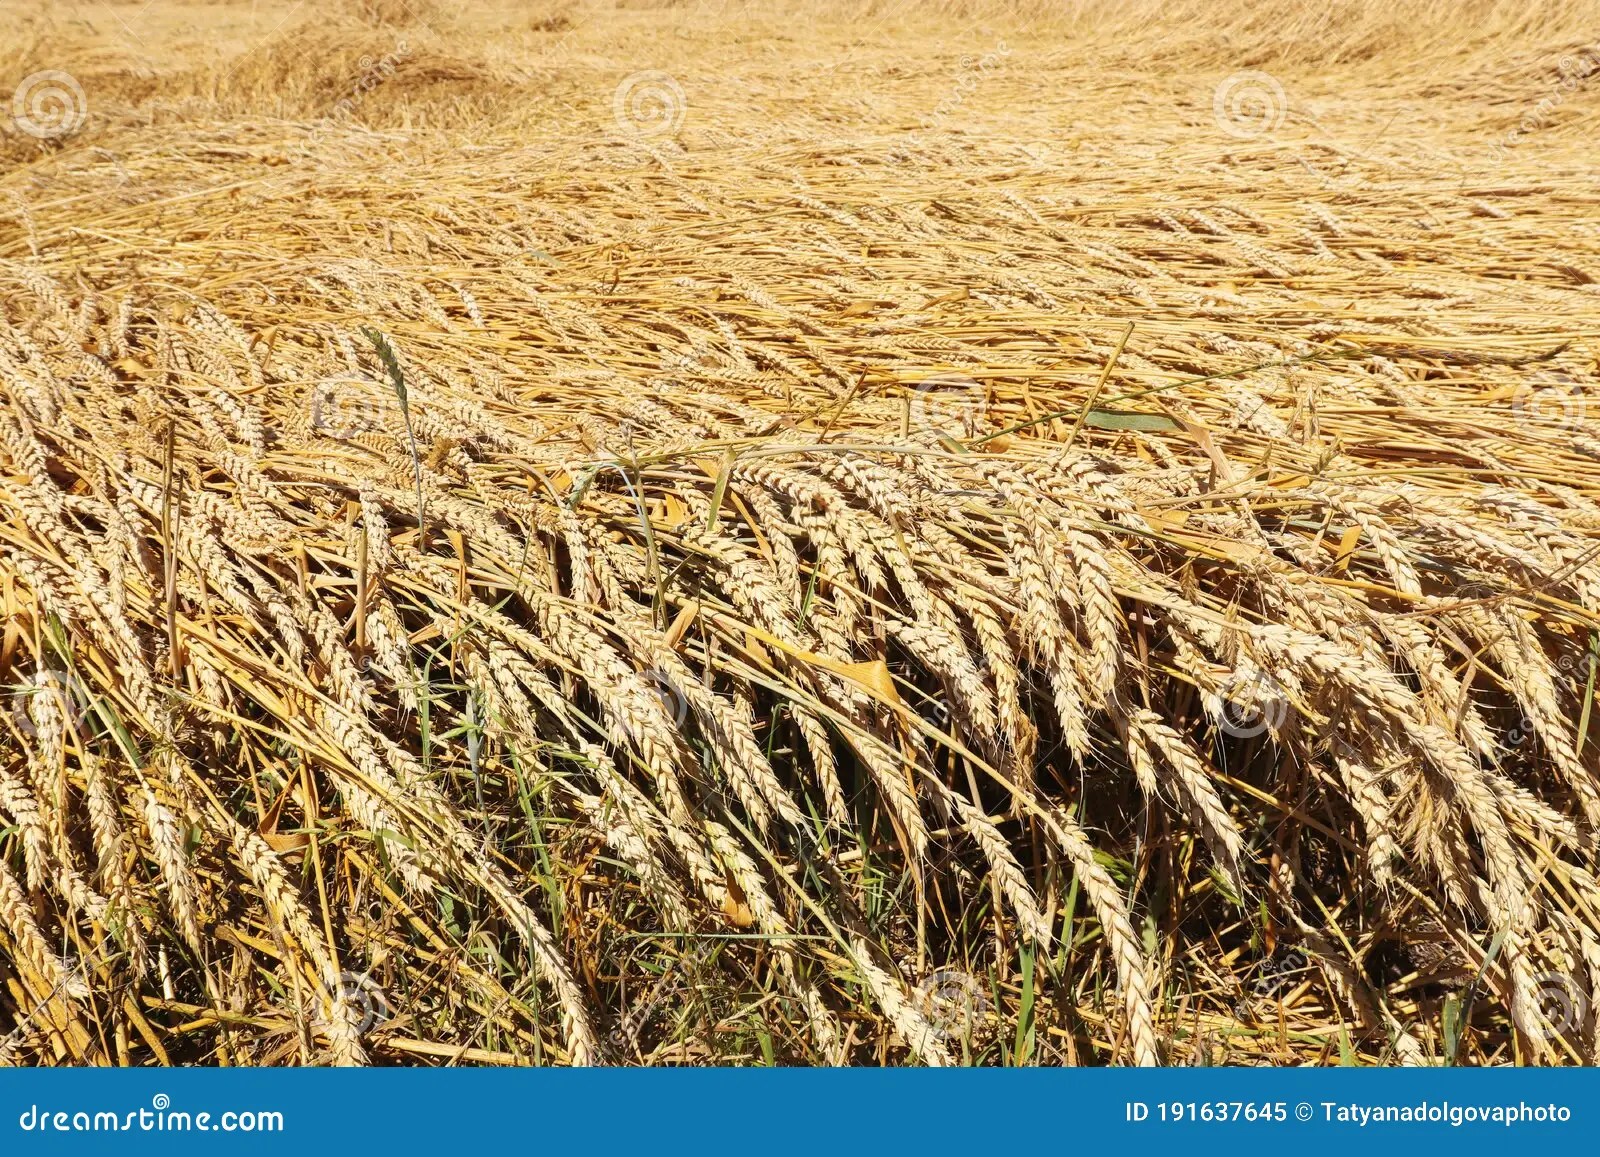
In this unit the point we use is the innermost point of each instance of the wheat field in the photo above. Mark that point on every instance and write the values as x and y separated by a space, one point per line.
890 533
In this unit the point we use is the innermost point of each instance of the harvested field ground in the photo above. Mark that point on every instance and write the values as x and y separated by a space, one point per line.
873 534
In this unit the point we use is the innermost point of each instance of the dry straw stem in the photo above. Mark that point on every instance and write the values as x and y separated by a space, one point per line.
797 552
